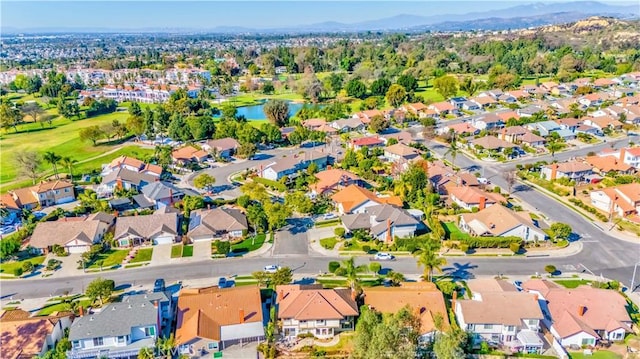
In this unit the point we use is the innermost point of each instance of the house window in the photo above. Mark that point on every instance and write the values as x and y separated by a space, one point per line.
66 190
213 346
488 326
76 344
98 342
469 326
510 328
121 339
587 341
533 322
321 322
149 331
57 191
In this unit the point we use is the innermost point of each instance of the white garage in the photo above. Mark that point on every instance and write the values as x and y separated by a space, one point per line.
77 246
164 238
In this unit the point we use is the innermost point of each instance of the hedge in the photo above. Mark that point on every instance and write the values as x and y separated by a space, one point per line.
589 209
271 184
491 242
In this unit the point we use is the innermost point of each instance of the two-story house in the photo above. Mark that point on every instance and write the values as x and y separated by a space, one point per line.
574 170
492 316
24 336
217 224
131 164
355 199
44 194
289 166
124 178
223 147
334 179
162 194
623 200
472 197
119 330
314 310
401 152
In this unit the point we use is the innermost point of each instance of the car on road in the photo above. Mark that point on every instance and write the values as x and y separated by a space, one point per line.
7 229
483 180
271 268
159 285
327 216
39 215
384 256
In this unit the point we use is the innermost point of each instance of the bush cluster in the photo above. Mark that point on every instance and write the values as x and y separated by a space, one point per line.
589 209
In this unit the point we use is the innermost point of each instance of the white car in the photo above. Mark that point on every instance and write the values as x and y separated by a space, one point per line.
329 216
271 269
384 256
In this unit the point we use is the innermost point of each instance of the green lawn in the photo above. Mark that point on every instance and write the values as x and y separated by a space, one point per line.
328 243
176 251
59 307
187 251
9 267
109 258
143 255
572 283
249 244
600 354
450 228
62 138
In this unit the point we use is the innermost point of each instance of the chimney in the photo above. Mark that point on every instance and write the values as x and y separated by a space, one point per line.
453 299
81 311
389 237
209 206
280 295
115 213
170 195
536 297
328 167
241 314
581 310
623 152
554 171
483 203
504 134
119 183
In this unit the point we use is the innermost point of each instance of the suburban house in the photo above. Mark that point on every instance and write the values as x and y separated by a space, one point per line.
491 143
491 315
131 164
162 194
606 164
532 140
404 137
217 224
423 297
603 122
623 200
311 309
23 336
189 154
366 141
165 303
10 209
356 199
75 234
157 228
513 134
289 166
418 109
384 222
472 197
124 179
484 101
630 156
119 330
574 170
366 116
581 316
348 125
223 147
459 129
334 179
500 221
442 108
401 152
313 124
211 319
489 121
44 194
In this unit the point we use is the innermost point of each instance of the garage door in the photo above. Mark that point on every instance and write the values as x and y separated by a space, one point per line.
77 249
164 240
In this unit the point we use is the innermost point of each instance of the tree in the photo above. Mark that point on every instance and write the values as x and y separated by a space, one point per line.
549 268
429 258
447 86
389 335
268 88
9 116
298 201
450 345
408 82
351 273
33 110
277 111
553 147
135 125
339 232
335 82
510 177
396 95
356 88
191 203
560 231
375 267
91 133
453 150
146 353
204 180
281 276
28 267
469 86
9 246
53 159
165 346
378 124
100 289
380 86
396 278
28 163
257 217
277 214
261 277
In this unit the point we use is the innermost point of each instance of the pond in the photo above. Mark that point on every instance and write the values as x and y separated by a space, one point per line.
256 112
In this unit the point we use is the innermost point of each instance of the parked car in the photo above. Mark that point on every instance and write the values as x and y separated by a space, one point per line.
271 268
7 229
222 282
327 216
159 285
384 256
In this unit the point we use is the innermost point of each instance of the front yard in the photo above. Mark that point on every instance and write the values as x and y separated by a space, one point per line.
249 244
143 255
10 267
176 251
328 243
109 258
600 354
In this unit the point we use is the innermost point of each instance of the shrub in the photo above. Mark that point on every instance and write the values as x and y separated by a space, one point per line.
339 232
271 184
18 272
515 247
464 247
490 242
375 267
366 248
550 269
340 272
28 266
333 266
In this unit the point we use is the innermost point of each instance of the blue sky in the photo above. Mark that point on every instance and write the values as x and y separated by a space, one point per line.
25 14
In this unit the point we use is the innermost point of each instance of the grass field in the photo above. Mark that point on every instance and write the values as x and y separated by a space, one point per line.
176 251
187 251
600 354
58 307
9 267
451 228
62 138
249 244
328 243
143 255
572 283
109 258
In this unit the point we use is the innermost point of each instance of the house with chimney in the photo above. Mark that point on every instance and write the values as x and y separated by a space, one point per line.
291 165
311 309
209 320
583 316
423 298
574 170
490 143
418 109
157 228
366 141
24 336
459 129
489 121
400 152
348 125
189 154
223 147
491 316
131 164
126 179
74 234
473 197
217 224
356 199
44 194
442 108
334 179
161 194
623 200
499 221
628 155
119 330
606 164
384 222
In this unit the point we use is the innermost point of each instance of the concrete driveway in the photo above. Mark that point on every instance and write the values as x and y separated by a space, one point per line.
69 265
202 250
292 240
161 254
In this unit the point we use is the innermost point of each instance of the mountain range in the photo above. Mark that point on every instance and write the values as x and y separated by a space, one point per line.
520 16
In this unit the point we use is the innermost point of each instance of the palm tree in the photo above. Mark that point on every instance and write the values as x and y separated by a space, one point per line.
351 273
395 277
429 258
68 162
165 346
52 158
453 151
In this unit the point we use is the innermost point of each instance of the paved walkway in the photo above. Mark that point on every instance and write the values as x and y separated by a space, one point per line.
161 254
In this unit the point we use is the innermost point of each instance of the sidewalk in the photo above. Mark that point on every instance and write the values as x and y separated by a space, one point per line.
572 249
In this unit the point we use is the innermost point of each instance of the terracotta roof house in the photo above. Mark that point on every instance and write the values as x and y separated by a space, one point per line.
419 109
314 123
314 310
399 152
505 116
442 108
367 141
211 319
384 222
131 164
533 140
473 197
491 316
491 143
574 170
22 337
603 122
157 228
44 194
603 82
289 166
217 224
461 129
484 101
628 155
404 137
119 330
423 297
624 200
355 199
366 116
334 179
513 133
189 154
11 209
125 179
501 222
75 236
581 316
605 164
223 147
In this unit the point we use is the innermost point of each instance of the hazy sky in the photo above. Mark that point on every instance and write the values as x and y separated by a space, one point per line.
209 14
